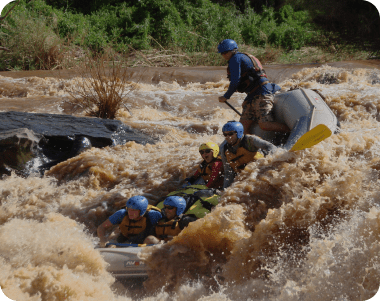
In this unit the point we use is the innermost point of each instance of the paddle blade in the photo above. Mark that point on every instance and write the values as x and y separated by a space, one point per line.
312 137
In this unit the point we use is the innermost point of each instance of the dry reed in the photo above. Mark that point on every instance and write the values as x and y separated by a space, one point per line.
103 87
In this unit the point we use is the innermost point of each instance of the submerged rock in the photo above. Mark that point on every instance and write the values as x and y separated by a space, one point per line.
49 138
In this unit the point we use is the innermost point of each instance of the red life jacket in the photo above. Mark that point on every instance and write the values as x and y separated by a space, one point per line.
205 170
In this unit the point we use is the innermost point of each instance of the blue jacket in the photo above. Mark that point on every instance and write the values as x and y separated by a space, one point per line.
240 64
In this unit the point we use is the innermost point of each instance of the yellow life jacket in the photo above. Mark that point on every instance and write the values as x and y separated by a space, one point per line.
242 157
251 77
130 227
166 230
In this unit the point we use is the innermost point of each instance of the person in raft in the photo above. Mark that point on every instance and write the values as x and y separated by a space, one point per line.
136 222
173 222
238 150
246 75
210 172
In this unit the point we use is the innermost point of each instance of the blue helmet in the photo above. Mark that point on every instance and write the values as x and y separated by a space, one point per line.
234 126
176 201
227 45
138 202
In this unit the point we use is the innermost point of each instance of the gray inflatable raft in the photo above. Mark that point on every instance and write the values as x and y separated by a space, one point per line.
124 262
301 110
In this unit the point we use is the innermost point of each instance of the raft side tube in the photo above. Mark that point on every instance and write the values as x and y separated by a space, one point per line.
301 110
124 262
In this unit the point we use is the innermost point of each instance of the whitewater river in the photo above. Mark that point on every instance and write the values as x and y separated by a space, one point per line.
294 226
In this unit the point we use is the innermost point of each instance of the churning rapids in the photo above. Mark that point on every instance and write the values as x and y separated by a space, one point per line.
294 226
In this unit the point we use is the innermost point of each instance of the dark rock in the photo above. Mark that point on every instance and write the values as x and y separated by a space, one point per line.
55 138
17 148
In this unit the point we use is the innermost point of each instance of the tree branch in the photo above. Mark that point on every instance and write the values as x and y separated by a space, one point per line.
2 18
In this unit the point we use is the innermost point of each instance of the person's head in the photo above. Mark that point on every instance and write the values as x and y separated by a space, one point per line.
233 131
174 206
226 48
137 206
209 151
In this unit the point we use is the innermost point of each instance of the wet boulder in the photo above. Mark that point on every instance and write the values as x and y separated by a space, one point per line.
17 148
51 138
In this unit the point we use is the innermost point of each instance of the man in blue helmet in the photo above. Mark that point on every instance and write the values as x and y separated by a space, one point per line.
136 221
238 150
246 75
173 222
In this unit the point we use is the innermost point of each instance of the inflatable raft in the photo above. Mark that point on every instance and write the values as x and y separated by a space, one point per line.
301 110
123 260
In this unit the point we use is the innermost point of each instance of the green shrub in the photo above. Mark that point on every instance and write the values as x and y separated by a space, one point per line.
36 46
194 26
285 28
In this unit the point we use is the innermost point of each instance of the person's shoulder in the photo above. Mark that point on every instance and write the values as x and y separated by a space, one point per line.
236 58
120 212
221 147
216 162
154 216
186 219
202 164
118 216
242 56
248 139
189 217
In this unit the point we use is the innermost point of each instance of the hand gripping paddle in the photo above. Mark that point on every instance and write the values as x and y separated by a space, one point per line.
312 137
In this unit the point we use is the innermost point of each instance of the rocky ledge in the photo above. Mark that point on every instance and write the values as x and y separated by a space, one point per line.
38 141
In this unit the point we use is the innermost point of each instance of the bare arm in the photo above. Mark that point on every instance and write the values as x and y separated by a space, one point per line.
273 126
255 142
101 231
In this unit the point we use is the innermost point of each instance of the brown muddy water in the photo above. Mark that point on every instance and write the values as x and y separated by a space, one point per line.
294 226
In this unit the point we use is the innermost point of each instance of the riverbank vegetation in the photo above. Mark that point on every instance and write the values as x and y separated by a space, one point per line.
50 34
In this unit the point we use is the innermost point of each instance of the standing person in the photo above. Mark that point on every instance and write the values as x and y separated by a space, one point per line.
238 150
135 222
247 75
173 221
211 169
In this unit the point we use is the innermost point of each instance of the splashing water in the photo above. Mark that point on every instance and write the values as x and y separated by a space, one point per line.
294 226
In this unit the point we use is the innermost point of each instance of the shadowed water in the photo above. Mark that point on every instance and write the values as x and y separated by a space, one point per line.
294 226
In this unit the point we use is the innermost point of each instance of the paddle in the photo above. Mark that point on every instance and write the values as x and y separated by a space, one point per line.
312 137
228 104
